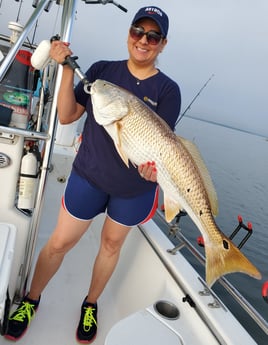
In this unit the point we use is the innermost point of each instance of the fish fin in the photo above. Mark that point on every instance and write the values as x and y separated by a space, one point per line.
172 208
212 195
226 258
117 143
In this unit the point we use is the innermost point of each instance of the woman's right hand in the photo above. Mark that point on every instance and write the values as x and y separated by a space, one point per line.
148 171
59 51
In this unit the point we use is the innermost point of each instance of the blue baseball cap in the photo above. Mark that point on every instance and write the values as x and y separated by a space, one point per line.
156 14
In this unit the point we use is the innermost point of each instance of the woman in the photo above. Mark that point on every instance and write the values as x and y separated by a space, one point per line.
100 181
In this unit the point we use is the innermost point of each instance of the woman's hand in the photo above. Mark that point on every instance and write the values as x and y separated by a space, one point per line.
59 51
148 171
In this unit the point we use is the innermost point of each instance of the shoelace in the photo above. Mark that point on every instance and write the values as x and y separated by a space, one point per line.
88 318
26 310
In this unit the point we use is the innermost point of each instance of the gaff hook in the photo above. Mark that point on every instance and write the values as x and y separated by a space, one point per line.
71 61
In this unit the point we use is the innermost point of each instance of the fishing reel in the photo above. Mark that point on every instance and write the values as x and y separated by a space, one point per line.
104 2
48 6
59 2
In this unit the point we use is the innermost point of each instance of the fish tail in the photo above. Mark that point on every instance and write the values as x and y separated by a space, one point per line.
226 258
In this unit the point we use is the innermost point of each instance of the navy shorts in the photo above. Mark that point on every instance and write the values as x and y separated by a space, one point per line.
85 201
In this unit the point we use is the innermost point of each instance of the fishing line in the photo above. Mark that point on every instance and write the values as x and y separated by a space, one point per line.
18 15
195 97
56 20
34 32
54 27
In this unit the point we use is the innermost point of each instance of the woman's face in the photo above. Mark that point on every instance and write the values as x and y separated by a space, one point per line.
140 50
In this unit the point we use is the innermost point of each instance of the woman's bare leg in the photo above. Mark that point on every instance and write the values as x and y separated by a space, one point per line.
66 234
112 239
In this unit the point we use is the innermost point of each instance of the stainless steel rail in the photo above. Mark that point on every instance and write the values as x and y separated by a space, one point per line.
24 133
251 311
5 38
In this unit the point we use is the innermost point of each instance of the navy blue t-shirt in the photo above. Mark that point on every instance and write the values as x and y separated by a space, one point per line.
97 159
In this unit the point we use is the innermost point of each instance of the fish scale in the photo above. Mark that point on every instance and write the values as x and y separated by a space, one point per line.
169 158
140 135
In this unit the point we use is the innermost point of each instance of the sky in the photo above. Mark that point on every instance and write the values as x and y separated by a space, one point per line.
226 39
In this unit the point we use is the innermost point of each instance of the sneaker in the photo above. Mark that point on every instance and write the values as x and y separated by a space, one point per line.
87 327
19 321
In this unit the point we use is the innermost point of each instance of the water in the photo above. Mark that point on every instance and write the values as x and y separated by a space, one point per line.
238 164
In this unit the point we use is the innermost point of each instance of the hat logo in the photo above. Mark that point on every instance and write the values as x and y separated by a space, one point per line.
153 10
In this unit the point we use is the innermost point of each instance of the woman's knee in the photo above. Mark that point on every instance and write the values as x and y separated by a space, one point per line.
112 241
59 245
111 246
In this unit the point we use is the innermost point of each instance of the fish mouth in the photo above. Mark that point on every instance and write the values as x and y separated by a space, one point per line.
91 88
95 86
87 88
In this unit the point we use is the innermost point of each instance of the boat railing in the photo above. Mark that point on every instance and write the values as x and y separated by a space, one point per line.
12 131
6 39
175 230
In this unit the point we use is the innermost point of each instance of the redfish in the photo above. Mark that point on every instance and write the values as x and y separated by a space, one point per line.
139 136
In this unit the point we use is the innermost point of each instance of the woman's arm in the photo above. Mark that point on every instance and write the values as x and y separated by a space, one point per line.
68 109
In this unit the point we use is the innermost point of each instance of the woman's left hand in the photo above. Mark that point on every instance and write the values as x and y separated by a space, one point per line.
148 171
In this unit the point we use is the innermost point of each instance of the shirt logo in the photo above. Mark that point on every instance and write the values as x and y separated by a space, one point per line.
148 100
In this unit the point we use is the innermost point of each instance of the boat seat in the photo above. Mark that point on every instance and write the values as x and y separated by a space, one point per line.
142 328
7 245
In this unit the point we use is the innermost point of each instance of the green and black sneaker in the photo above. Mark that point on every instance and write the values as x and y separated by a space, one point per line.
87 327
20 319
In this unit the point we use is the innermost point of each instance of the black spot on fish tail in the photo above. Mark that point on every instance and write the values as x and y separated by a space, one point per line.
200 213
225 244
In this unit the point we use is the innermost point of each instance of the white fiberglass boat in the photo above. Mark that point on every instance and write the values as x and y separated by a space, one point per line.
154 296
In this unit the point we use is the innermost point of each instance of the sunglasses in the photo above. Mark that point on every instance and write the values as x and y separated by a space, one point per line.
137 32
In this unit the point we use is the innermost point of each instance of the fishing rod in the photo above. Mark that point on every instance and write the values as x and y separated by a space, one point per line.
195 97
